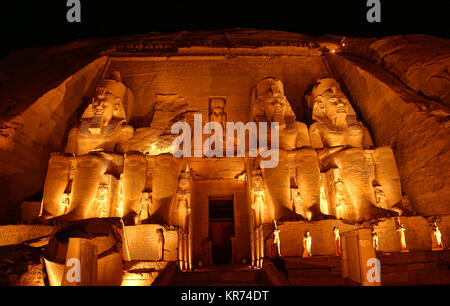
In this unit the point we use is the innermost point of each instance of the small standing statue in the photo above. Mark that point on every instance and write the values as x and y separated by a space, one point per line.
380 196
258 198
401 233
307 245
341 200
436 238
65 202
217 110
337 241
375 240
146 204
276 240
297 201
160 233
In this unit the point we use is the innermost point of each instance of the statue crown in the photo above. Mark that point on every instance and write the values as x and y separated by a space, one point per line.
324 84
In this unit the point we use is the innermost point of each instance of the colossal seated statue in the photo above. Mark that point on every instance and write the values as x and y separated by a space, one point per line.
269 104
368 175
94 149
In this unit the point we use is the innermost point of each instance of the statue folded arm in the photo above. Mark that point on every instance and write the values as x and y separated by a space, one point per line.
71 146
303 139
126 133
367 139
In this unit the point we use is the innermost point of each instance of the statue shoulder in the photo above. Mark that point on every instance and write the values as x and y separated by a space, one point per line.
72 140
301 126
314 128
125 135
74 130
315 135
302 135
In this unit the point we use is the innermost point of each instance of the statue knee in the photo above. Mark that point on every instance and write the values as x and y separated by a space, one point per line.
91 163
55 184
89 168
135 178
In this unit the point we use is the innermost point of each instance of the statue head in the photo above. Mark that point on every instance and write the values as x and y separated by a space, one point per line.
102 192
269 101
217 105
329 102
184 180
107 103
146 197
339 185
258 179
217 110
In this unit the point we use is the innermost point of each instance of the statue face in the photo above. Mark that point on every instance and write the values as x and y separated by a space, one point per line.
183 183
102 191
274 103
332 104
104 103
218 111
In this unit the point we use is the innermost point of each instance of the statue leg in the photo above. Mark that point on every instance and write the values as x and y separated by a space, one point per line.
356 180
308 181
135 175
55 183
386 173
277 183
165 184
89 168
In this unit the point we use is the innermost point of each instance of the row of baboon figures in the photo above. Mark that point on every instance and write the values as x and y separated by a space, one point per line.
333 161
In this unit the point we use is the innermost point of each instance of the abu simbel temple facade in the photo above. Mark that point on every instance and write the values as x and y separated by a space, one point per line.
305 161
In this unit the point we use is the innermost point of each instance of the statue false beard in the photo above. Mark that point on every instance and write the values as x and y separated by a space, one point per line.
278 117
97 124
340 121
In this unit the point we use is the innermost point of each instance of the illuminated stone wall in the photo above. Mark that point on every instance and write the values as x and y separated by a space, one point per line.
52 86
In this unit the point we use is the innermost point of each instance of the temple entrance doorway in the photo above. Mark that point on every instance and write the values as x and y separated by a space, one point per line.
221 228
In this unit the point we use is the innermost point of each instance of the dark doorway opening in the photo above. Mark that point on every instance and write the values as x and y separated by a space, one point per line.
221 228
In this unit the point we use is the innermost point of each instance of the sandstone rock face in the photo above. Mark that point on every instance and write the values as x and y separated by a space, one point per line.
420 61
41 93
21 266
397 85
23 234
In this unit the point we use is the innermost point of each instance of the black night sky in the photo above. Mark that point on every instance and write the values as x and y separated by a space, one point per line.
38 22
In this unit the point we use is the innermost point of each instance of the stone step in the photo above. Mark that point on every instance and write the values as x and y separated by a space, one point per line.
214 276
317 281
309 273
222 276
416 278
212 283
414 257
424 266
142 273
144 265
312 262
